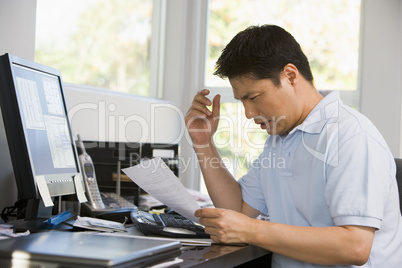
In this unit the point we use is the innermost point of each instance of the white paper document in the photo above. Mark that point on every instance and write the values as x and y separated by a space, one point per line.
156 178
99 224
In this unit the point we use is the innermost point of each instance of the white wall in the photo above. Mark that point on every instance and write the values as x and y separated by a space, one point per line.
102 115
381 68
17 31
17 28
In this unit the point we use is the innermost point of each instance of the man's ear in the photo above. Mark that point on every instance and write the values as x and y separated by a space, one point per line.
290 73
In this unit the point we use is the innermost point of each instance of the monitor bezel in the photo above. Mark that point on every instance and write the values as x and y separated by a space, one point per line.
24 173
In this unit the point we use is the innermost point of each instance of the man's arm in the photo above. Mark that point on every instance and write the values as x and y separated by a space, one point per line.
318 245
201 123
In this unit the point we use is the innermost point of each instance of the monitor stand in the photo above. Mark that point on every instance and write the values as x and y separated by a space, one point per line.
34 224
38 225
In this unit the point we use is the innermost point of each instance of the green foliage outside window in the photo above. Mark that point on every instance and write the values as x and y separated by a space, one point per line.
328 32
109 46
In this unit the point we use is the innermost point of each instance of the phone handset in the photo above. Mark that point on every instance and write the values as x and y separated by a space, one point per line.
88 170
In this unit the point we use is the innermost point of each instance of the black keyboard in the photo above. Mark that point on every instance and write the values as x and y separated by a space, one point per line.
165 224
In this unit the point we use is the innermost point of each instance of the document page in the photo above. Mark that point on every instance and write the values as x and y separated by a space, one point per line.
156 178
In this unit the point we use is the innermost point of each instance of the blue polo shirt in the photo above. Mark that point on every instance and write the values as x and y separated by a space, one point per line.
334 169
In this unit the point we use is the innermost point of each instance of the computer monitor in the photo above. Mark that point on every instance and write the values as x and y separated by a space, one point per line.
38 131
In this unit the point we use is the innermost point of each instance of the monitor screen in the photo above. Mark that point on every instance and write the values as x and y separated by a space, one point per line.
44 121
37 127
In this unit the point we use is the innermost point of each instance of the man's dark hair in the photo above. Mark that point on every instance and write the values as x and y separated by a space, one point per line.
261 52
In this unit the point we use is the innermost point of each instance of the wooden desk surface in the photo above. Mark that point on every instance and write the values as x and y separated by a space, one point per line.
218 255
223 256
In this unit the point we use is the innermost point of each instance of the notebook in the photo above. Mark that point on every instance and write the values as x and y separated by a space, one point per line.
76 249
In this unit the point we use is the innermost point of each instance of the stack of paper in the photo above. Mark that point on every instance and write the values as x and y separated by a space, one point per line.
99 225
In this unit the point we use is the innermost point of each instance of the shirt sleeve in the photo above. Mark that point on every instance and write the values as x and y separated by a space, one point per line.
251 188
358 182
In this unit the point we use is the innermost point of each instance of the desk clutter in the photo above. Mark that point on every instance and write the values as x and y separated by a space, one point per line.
95 242
164 230
99 225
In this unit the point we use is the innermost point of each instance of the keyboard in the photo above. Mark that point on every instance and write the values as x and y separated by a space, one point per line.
166 224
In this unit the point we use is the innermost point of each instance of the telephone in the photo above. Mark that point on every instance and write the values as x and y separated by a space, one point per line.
97 202
88 170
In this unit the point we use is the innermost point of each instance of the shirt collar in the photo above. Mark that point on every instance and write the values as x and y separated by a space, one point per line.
326 110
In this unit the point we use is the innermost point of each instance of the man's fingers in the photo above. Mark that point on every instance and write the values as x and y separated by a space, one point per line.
216 105
197 106
201 98
207 212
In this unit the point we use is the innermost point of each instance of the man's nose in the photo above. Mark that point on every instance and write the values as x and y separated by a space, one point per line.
250 111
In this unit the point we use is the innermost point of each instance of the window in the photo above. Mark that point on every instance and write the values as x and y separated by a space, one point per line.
328 32
101 43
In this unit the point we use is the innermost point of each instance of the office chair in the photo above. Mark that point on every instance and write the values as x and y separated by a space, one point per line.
398 162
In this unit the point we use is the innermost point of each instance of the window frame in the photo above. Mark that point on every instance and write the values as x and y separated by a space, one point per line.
157 49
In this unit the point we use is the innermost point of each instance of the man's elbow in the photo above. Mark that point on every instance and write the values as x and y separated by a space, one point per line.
360 255
360 243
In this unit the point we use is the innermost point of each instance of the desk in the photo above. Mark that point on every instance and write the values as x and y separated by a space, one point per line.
215 255
220 255
226 256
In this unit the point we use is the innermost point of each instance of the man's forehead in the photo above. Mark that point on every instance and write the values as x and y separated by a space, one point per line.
244 87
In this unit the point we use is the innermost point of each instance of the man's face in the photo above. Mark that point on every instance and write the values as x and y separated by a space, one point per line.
274 108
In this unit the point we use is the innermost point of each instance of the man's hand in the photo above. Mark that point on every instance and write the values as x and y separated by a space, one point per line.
226 226
341 245
200 121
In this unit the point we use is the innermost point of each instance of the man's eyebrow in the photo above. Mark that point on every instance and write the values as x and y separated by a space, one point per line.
246 96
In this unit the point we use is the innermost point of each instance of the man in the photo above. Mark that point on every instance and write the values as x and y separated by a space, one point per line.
333 200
